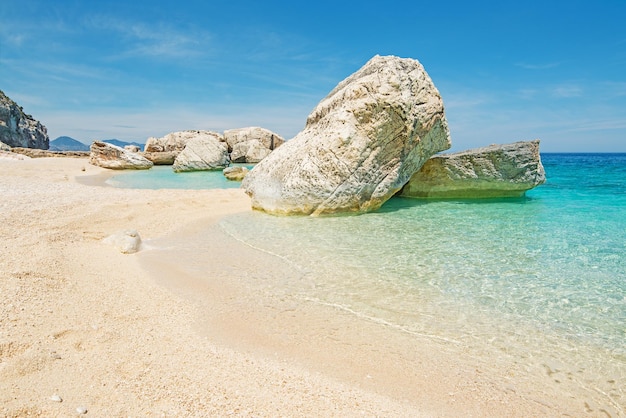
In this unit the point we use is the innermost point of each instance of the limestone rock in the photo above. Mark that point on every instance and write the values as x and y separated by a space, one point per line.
132 148
235 173
494 171
17 129
360 145
202 153
4 147
127 241
252 144
252 151
176 141
161 158
116 158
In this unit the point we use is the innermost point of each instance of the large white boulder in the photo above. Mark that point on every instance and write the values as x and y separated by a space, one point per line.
202 153
111 156
495 171
360 145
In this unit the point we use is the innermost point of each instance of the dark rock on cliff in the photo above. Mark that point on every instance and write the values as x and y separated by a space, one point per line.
17 129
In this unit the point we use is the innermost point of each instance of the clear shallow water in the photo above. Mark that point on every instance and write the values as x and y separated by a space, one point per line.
555 259
163 177
539 280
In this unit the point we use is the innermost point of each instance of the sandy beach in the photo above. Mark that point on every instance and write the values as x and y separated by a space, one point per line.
87 329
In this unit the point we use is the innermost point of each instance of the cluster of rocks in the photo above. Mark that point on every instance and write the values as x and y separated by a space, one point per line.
375 135
378 133
192 150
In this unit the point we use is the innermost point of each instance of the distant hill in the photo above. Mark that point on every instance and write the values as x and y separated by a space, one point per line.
65 143
122 144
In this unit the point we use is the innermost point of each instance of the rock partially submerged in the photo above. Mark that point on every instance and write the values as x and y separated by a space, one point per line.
494 171
204 152
235 173
111 156
361 144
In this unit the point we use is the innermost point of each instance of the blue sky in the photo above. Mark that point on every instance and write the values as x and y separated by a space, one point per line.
507 71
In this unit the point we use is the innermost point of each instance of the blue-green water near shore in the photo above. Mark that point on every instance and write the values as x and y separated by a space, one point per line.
162 177
540 279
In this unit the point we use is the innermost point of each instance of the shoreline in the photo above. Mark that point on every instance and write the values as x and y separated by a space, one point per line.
139 335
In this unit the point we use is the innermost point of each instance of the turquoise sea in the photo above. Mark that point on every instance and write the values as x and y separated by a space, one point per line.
163 177
538 280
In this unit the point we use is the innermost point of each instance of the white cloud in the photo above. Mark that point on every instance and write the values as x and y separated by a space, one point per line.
157 40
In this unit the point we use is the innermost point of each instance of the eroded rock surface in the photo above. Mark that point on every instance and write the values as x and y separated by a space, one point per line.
249 152
111 156
495 171
202 153
18 129
360 145
252 144
235 173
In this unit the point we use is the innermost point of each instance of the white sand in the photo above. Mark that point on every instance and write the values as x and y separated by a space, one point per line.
129 335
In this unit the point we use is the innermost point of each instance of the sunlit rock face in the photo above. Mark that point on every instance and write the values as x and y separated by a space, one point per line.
360 145
202 153
252 144
494 171
176 141
111 156
17 129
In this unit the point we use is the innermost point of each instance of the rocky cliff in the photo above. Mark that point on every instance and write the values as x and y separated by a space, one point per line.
17 129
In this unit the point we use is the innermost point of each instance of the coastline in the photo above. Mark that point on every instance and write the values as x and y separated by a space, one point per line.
139 335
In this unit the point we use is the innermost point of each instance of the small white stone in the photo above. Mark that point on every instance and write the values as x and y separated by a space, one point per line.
81 410
56 398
